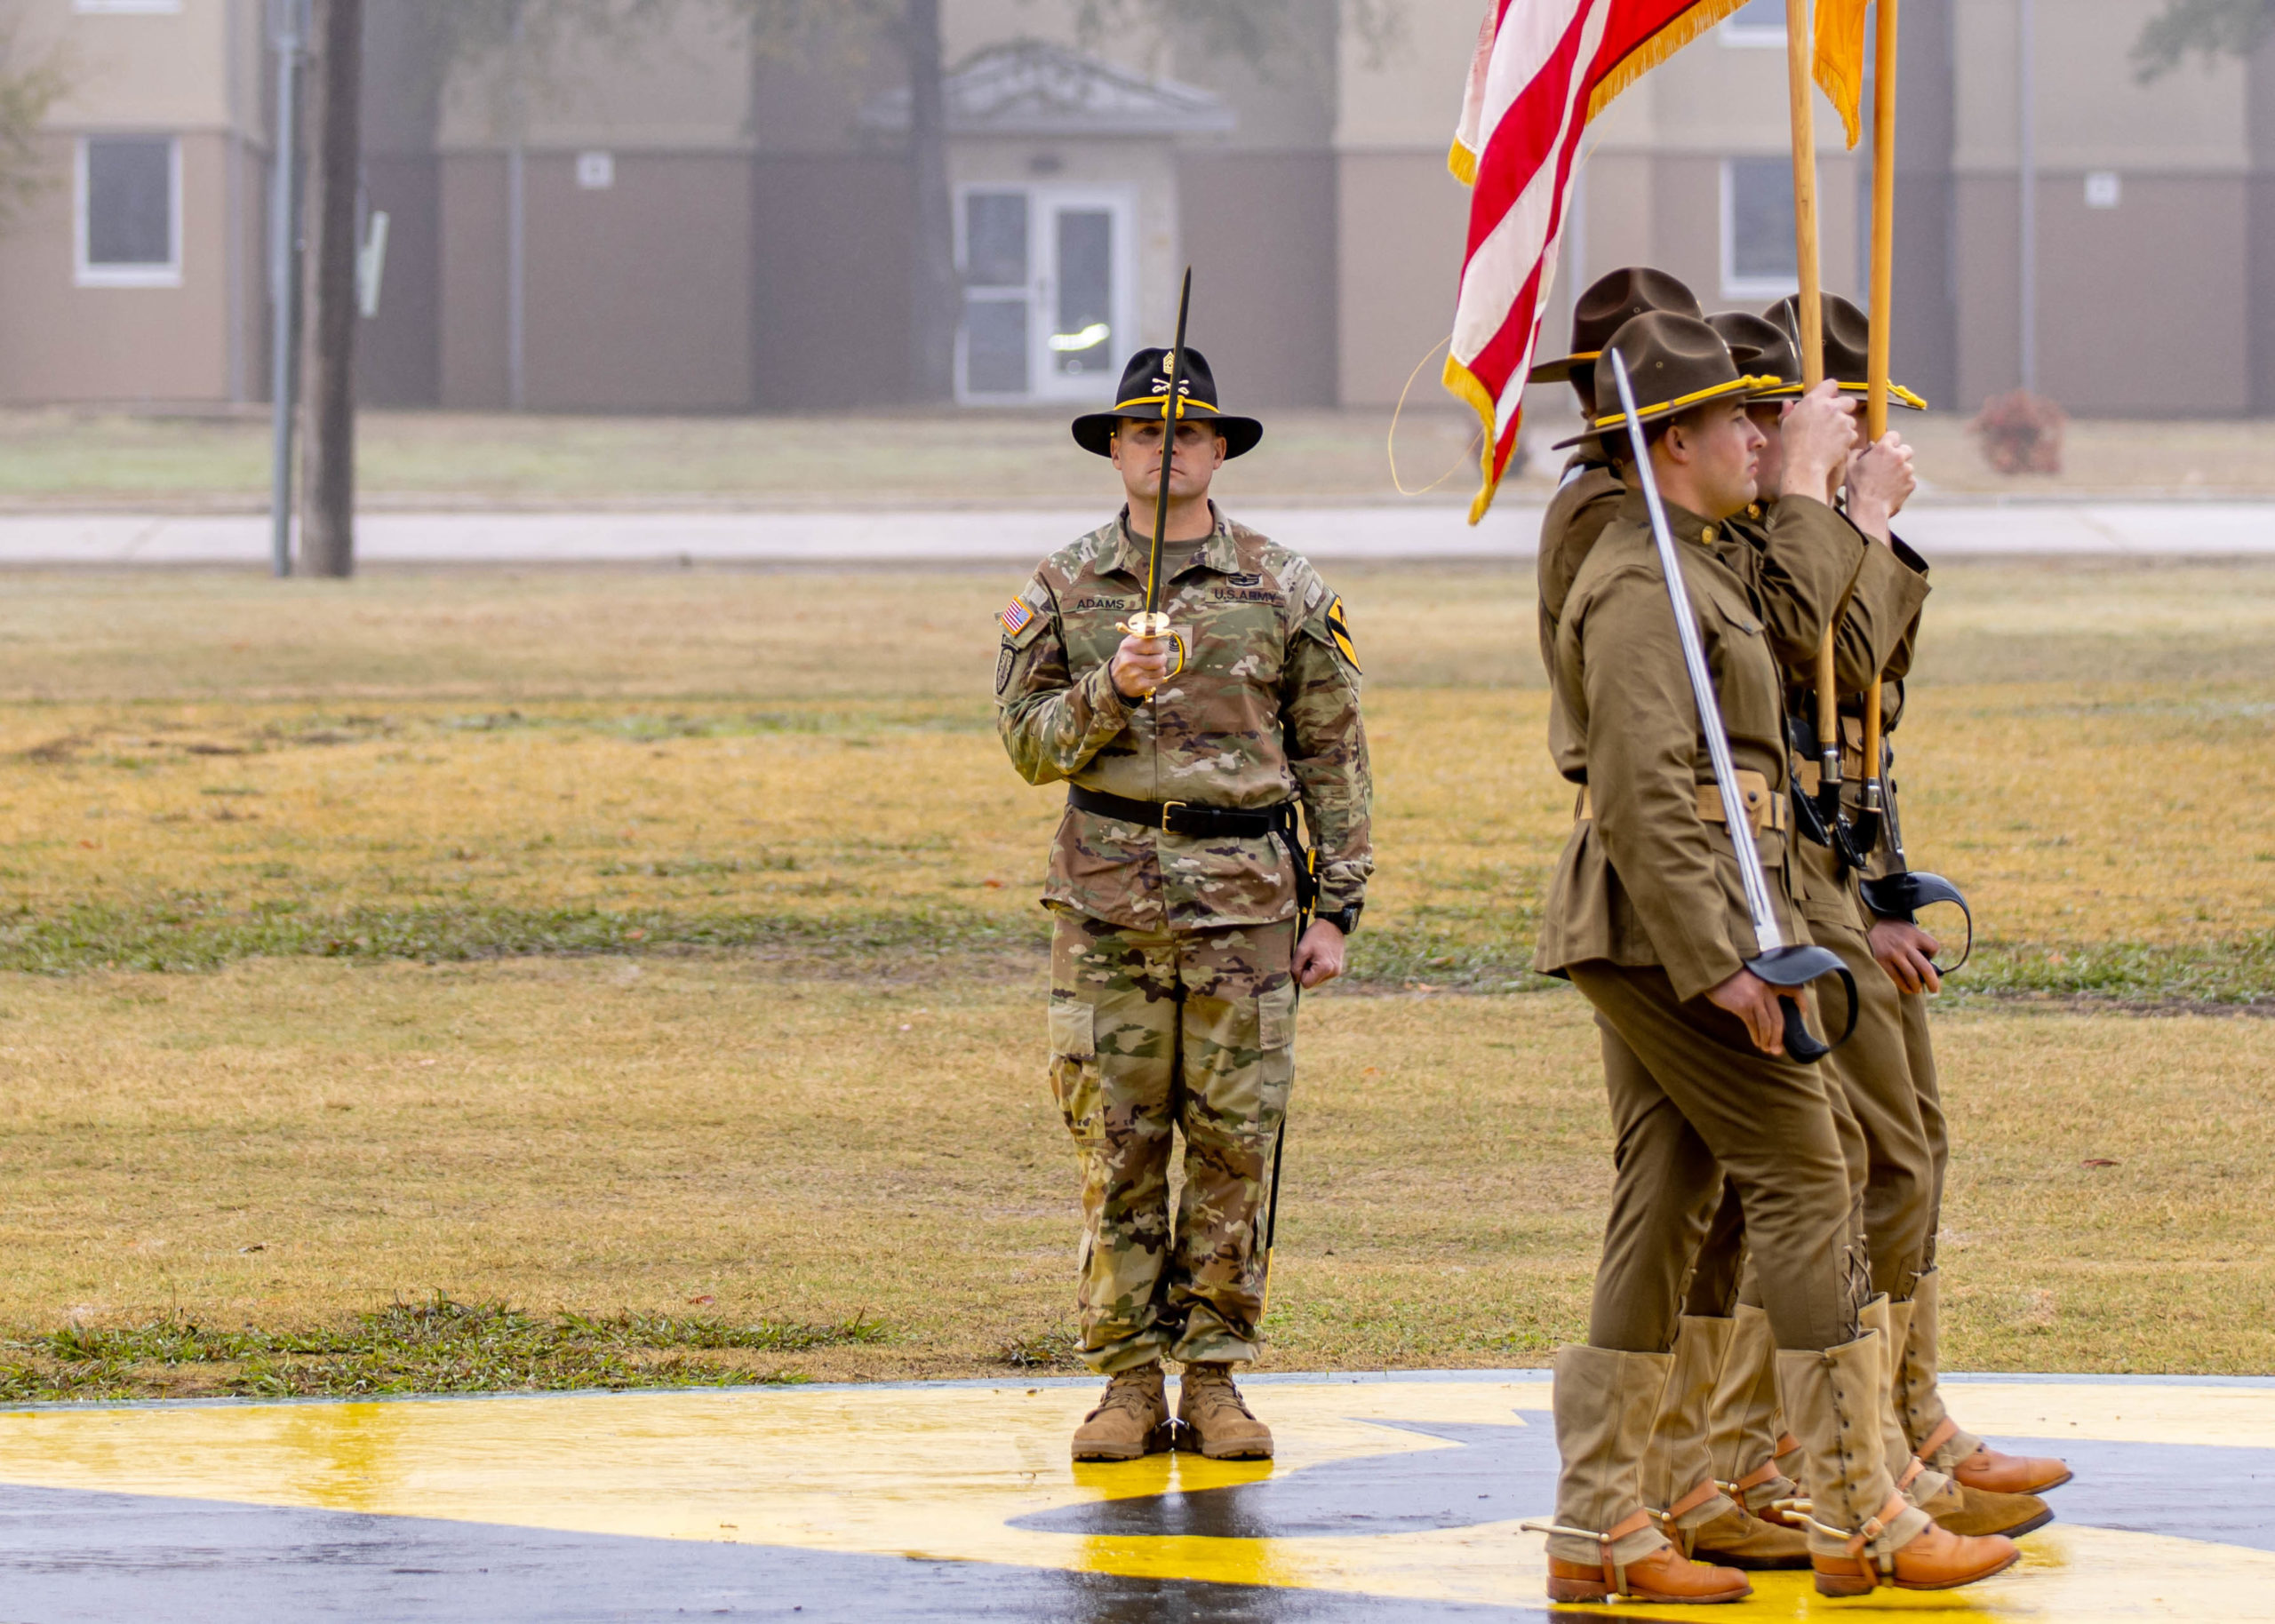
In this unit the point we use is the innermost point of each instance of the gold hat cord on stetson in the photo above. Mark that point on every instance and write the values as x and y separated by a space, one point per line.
1760 385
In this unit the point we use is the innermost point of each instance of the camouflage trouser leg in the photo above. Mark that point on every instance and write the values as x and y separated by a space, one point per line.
1150 1032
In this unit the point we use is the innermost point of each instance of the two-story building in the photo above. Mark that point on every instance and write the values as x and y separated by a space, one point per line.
687 219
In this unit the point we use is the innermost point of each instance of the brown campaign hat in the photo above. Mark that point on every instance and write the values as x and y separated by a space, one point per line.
1759 346
1144 388
1609 304
1847 333
1674 364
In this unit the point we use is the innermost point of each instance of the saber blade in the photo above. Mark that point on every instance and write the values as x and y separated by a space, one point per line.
1171 410
1766 930
1785 968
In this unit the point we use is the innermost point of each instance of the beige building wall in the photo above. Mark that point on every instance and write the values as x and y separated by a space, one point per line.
189 75
636 293
1401 219
2122 292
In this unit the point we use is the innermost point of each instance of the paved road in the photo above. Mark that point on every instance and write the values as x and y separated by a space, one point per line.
2170 530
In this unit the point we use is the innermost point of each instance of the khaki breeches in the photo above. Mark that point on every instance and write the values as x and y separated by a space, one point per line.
1693 1103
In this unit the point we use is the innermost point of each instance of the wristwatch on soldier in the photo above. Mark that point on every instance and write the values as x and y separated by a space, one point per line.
1344 918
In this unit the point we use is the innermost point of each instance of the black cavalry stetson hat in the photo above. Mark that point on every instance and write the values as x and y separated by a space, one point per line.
1146 386
1847 333
1674 364
1759 346
1609 304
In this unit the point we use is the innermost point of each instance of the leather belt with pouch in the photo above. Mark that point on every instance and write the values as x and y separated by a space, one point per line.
1765 808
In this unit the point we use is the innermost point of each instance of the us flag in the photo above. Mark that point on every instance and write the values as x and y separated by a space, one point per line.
1544 70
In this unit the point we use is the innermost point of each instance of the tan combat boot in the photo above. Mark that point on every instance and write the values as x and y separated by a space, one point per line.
1742 1430
1602 1542
1692 1509
1979 1511
1940 1441
1132 1420
1861 1533
1214 1421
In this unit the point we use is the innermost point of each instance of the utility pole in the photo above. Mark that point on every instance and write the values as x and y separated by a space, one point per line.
288 27
328 472
2026 183
516 225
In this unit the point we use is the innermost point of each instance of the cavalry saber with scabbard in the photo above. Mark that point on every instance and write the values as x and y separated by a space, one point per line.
1784 966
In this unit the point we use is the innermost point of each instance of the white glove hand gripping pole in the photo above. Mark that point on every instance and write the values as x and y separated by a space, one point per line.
1788 969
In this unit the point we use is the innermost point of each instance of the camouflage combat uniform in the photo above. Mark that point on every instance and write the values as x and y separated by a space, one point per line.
1172 1003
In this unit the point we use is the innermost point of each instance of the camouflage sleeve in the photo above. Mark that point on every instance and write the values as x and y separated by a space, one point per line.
1050 722
1326 746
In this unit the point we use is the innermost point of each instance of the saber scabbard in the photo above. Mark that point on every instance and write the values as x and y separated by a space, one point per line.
1786 967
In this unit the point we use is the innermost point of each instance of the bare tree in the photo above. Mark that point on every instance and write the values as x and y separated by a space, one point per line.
333 180
2208 29
31 85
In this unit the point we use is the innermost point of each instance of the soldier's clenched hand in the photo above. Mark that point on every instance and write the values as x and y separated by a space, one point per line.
1880 480
1754 1001
1818 432
1318 956
1907 953
1141 665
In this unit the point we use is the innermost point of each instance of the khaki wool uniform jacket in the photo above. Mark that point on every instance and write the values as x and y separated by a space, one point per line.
1587 498
1265 710
1875 632
1646 880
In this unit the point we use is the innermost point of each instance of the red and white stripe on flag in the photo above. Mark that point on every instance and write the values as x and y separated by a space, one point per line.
1544 68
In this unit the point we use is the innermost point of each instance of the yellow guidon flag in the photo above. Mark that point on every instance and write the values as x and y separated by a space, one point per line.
1840 61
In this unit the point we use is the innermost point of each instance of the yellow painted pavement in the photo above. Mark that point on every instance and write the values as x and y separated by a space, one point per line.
943 1472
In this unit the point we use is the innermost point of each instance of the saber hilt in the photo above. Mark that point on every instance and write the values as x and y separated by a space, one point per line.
1787 967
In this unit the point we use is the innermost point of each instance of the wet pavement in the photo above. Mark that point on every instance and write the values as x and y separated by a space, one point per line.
1393 1497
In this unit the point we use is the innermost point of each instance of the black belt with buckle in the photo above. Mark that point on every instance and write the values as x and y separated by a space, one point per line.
1182 817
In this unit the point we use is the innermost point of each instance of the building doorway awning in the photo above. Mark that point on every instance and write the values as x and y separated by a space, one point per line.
1033 88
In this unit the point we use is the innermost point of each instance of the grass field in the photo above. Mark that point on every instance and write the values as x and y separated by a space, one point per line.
66 458
655 953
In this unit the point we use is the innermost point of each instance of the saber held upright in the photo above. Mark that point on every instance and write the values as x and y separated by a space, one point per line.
1153 623
1785 966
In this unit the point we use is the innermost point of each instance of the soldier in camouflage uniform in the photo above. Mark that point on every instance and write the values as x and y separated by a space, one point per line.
1174 889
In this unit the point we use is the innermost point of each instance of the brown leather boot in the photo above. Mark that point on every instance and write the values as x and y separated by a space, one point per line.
1664 1576
1933 1559
1213 1420
1132 1420
1739 1540
1960 1510
1994 1473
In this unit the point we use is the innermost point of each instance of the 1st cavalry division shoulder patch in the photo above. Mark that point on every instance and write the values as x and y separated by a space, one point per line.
1339 629
1016 617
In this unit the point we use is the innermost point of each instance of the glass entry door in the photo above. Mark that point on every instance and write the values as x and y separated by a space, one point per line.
1049 292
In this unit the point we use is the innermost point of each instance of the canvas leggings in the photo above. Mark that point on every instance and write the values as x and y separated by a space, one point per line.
1152 1034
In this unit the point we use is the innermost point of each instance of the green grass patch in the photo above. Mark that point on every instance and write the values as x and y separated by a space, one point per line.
438 1346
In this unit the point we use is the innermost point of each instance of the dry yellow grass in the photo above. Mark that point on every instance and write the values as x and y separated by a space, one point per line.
808 1134
287 1142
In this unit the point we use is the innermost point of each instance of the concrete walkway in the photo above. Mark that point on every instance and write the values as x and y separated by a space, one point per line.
2169 529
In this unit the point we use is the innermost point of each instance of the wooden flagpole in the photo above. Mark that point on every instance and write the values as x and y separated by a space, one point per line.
1883 296
1808 312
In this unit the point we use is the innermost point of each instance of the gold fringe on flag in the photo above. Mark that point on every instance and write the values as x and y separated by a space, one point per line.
1840 66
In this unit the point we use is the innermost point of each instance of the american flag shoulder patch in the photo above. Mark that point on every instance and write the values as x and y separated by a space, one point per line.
1016 616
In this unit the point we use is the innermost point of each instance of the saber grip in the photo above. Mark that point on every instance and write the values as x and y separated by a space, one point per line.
1800 1043
1153 626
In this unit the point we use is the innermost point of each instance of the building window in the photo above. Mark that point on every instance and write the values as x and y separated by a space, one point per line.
129 211
1757 22
1760 257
